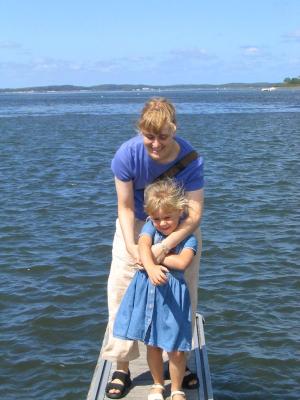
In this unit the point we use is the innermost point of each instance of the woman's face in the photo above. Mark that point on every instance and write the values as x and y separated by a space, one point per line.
160 145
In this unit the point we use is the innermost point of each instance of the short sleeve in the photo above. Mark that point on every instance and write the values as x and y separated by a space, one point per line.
148 229
190 243
122 164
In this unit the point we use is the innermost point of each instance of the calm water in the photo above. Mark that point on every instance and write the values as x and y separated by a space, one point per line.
57 220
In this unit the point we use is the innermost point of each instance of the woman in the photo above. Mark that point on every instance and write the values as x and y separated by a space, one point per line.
137 163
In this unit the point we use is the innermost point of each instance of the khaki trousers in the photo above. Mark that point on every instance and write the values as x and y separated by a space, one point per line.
121 273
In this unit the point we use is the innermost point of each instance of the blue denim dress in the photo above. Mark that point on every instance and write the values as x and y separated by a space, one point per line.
159 316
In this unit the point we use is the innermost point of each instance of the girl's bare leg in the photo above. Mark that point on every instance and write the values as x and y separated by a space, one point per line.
155 362
177 364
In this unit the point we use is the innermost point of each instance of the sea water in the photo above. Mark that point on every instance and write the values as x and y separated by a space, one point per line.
58 207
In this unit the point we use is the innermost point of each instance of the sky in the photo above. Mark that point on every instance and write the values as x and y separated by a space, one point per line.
154 42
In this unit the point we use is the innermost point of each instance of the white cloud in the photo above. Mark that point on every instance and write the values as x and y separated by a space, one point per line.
174 60
187 58
104 66
293 36
190 53
251 50
10 45
52 64
13 49
13 66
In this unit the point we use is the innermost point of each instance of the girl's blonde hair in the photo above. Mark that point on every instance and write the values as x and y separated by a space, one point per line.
157 113
164 194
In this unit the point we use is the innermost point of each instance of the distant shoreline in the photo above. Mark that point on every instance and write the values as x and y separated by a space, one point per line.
144 88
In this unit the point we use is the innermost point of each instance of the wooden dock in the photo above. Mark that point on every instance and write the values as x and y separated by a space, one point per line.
142 378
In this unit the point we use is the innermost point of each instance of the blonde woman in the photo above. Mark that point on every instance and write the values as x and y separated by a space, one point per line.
136 164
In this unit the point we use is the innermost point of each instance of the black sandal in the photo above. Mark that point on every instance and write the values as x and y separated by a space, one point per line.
188 379
123 388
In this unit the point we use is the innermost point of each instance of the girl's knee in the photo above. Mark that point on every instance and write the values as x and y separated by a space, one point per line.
153 349
176 355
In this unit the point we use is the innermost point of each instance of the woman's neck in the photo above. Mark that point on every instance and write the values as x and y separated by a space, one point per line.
171 155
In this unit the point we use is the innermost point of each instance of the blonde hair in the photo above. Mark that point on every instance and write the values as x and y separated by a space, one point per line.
157 113
164 194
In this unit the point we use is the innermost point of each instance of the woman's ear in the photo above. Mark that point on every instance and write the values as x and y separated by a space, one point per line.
185 211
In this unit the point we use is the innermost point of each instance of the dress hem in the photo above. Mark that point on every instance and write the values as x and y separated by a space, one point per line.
168 350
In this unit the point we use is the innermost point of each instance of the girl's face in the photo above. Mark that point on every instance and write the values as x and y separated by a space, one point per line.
165 221
160 146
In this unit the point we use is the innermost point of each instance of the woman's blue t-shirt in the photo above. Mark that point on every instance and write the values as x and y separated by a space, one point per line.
133 163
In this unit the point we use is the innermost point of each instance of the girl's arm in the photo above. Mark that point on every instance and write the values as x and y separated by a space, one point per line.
156 273
179 261
186 227
126 216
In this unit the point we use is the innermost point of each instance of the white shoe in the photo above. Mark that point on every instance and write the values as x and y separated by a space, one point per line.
156 396
177 392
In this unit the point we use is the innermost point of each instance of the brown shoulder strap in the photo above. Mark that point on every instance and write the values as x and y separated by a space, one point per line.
179 166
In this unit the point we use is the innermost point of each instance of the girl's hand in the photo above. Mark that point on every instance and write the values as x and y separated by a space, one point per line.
157 275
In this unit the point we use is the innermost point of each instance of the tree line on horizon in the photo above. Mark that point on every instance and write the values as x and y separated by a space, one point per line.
142 87
292 81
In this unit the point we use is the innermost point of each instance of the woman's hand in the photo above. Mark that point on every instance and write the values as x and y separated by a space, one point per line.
158 253
157 275
133 250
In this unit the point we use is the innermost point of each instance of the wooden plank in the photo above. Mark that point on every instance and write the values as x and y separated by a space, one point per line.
99 380
141 377
202 366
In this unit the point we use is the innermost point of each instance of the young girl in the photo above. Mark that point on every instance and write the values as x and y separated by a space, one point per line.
156 306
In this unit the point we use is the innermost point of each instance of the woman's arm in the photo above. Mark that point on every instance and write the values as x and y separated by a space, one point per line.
185 228
179 261
156 273
126 216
